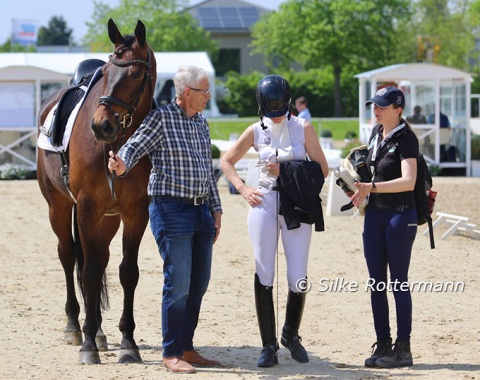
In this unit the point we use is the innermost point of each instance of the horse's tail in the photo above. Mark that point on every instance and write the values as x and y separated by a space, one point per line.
104 299
78 251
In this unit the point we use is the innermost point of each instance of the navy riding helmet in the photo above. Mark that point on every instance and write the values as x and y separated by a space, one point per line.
273 96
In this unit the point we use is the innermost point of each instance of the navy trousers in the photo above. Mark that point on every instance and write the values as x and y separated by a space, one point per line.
388 238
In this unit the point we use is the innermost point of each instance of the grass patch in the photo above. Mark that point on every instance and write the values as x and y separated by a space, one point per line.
221 129
339 128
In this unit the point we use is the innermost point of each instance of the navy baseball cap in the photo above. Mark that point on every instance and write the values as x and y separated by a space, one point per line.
387 96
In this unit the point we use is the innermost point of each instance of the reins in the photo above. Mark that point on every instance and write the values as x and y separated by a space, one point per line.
277 209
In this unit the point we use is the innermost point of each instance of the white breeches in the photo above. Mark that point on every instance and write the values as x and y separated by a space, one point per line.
264 225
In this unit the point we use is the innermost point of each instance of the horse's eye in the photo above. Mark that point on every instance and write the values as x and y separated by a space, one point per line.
137 75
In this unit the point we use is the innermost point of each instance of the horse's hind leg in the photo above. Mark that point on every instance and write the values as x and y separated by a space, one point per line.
100 337
61 222
60 216
129 274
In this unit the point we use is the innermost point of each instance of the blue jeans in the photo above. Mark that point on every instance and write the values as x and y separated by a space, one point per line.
184 234
388 238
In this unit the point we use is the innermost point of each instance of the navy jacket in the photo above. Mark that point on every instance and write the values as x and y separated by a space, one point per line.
299 185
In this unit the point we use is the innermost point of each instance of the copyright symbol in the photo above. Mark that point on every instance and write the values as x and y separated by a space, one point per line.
303 285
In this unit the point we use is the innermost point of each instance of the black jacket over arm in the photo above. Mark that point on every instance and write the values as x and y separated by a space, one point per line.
300 183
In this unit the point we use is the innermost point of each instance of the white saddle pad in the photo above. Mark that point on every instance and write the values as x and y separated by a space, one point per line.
44 140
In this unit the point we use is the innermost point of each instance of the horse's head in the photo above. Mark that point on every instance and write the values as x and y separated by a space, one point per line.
128 85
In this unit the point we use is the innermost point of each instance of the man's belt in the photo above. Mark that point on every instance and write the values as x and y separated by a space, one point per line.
191 201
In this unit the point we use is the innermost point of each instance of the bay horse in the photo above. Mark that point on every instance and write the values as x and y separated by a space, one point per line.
113 109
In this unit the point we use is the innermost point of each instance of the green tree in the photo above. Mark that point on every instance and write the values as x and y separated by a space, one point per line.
443 32
56 33
8 47
314 84
342 35
241 98
169 28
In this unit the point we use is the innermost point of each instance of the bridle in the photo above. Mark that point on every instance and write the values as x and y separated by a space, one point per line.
106 101
131 108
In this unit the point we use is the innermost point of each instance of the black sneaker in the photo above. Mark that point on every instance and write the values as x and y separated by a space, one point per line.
399 356
383 347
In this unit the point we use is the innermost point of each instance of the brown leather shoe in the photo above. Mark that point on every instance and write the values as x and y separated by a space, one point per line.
177 364
195 359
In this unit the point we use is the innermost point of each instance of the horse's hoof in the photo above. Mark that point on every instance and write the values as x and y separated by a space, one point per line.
90 357
73 338
101 342
129 356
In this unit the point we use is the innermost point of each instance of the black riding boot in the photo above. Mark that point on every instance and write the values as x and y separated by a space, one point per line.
399 356
383 347
293 317
266 323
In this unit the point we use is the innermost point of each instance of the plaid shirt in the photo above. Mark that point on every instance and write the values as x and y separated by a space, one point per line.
179 148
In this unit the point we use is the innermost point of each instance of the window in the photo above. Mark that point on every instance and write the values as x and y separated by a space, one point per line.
17 107
227 60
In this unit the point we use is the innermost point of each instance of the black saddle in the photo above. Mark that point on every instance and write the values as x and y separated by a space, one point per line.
82 77
84 69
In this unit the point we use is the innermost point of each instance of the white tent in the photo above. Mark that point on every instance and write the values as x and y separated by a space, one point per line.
23 77
61 66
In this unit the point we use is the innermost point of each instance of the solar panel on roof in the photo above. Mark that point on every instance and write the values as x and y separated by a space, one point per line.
209 18
249 16
227 17
230 17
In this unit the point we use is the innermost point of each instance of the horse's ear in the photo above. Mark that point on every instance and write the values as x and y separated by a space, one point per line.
114 34
140 33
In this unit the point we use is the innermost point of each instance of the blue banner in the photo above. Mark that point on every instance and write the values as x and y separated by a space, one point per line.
24 32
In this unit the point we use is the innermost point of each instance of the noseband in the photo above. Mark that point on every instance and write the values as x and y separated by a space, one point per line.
131 108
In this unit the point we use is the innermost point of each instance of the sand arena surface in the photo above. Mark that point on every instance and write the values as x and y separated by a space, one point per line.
337 327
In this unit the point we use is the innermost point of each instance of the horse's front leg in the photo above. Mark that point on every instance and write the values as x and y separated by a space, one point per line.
132 235
92 284
96 238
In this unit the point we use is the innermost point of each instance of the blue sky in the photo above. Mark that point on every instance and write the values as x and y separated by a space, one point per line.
75 15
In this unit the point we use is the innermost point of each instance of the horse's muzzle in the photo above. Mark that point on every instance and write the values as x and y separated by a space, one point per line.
105 132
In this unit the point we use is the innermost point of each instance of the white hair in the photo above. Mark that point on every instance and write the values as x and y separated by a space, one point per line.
188 76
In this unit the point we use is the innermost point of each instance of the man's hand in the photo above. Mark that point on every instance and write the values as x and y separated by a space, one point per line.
115 164
217 220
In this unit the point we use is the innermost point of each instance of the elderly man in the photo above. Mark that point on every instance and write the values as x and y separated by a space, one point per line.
185 210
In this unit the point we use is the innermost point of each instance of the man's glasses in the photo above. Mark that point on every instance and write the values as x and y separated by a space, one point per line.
205 92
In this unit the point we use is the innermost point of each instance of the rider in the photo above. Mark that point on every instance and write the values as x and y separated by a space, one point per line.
279 138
